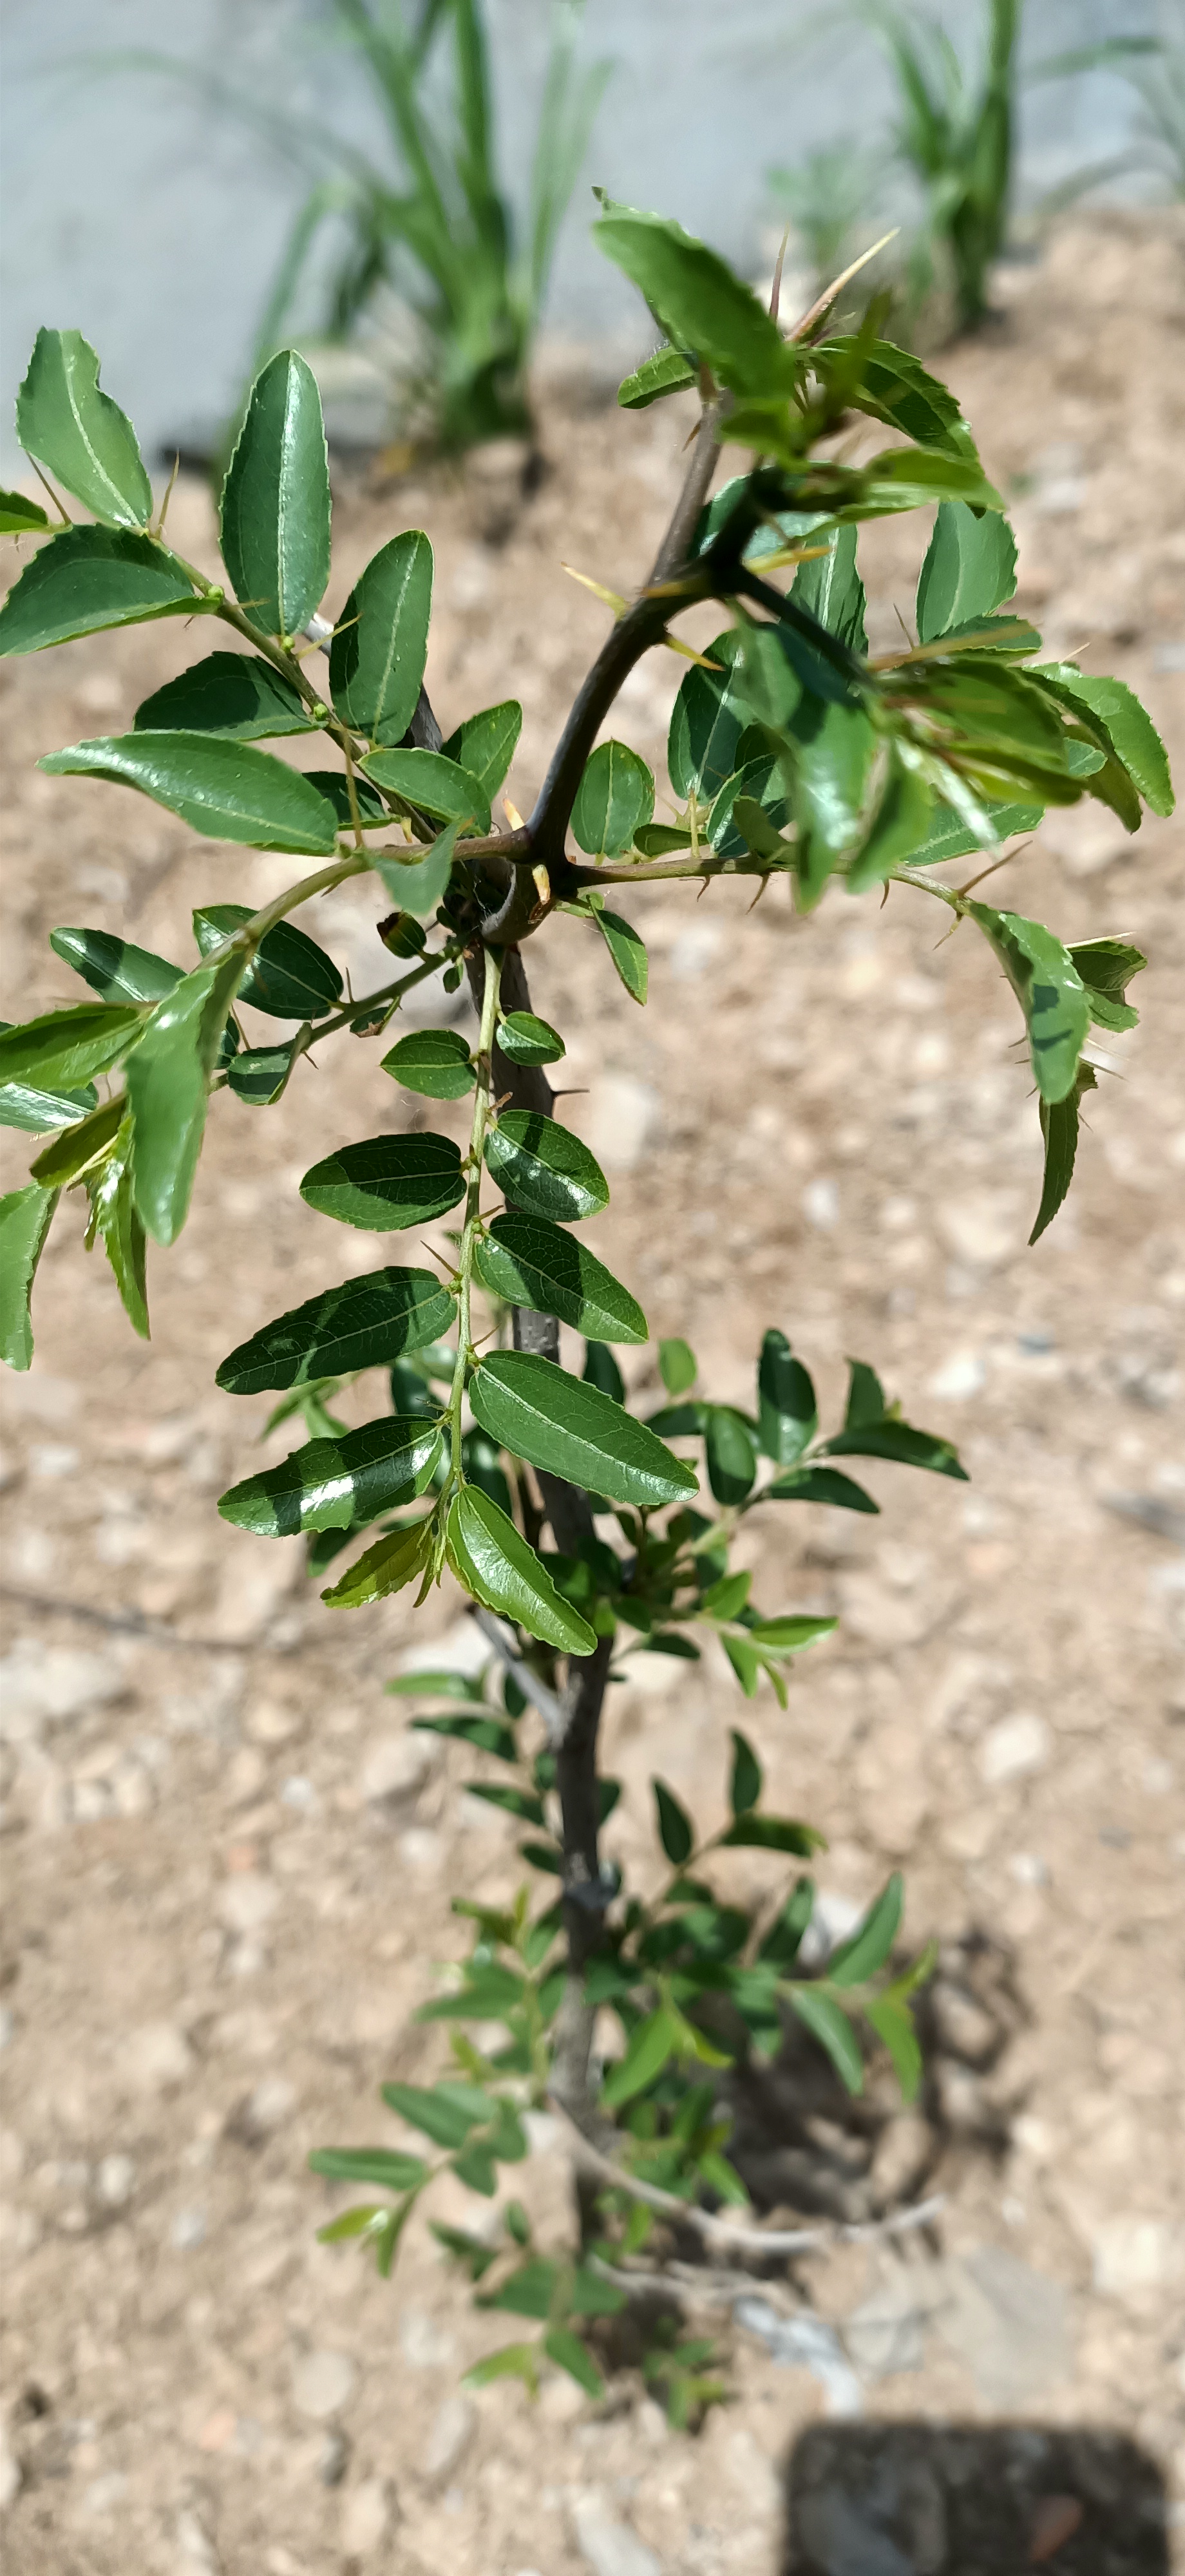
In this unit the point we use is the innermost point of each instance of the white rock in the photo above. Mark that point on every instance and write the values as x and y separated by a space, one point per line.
367 2518
322 2383
959 1378
424 2344
115 2181
462 1649
247 1901
395 1767
267 2107
820 1203
1014 1747
618 1120
610 2548
1132 2255
452 2430
983 1228
188 2231
154 2059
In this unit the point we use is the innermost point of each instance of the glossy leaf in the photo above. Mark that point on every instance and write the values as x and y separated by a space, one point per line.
744 1788
651 2045
528 1262
227 790
853 1961
820 1485
238 695
1049 989
433 1062
970 569
615 796
258 1075
117 1221
906 816
81 437
899 1441
374 814
338 1484
523 1039
543 1168
24 1105
389 1566
866 1397
1120 724
64 1048
627 950
664 373
830 589
490 1557
601 1369
829 2024
1059 1129
763 783
707 722
704 308
419 887
893 386
20 517
387 1182
485 745
76 1149
675 1830
386 2167
1107 967
364 1323
289 976
731 1459
677 1366
833 752
24 1224
787 1410
563 1425
275 500
432 784
377 657
168 1085
90 578
113 967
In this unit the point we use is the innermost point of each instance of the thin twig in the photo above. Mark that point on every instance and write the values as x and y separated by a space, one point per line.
527 1682
131 1623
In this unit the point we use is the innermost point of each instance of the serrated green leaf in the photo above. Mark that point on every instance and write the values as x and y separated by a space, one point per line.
117 1220
831 590
830 2026
893 386
66 1047
707 722
363 1323
970 569
227 790
169 1075
523 1039
113 967
76 1149
90 578
238 695
705 309
677 1366
906 820
764 783
500 1568
380 646
436 1063
388 1567
338 1484
1113 713
566 1426
1050 992
820 1485
744 1788
543 1168
853 1961
627 950
666 372
24 1224
432 784
1059 1128
290 977
485 745
387 1182
27 1106
1107 967
275 500
20 517
615 796
528 1262
83 438
651 2045
385 2166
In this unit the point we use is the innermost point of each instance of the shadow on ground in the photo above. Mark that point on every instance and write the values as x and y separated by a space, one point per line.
961 2500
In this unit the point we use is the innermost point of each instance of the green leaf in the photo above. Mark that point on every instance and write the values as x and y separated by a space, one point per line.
866 1396
787 1410
531 2291
675 1830
275 500
831 2027
434 1062
114 1213
374 814
746 1663
227 790
900 1442
764 783
371 2220
512 1802
657 840
664 373
528 1262
859 1957
238 695
744 1788
82 438
364 1323
419 886
731 1458
543 1168
289 976
601 1369
1059 1128
338 1484
444 2112
24 1224
820 1485
19 516
485 745
651 2045
894 2028
970 569
727 1598
113 968
379 648
707 721
258 1075
831 590
784 1937
772 1833
64 1048
387 1567
23 1105
512 2361
702 306
893 386
627 950
902 828
432 784
677 1366
1049 989
566 2350
89 578
498 1566
75 1150
387 1182
1107 967
834 748
169 1076
484 1734
523 1039
615 796
384 2166
562 1424
1115 717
